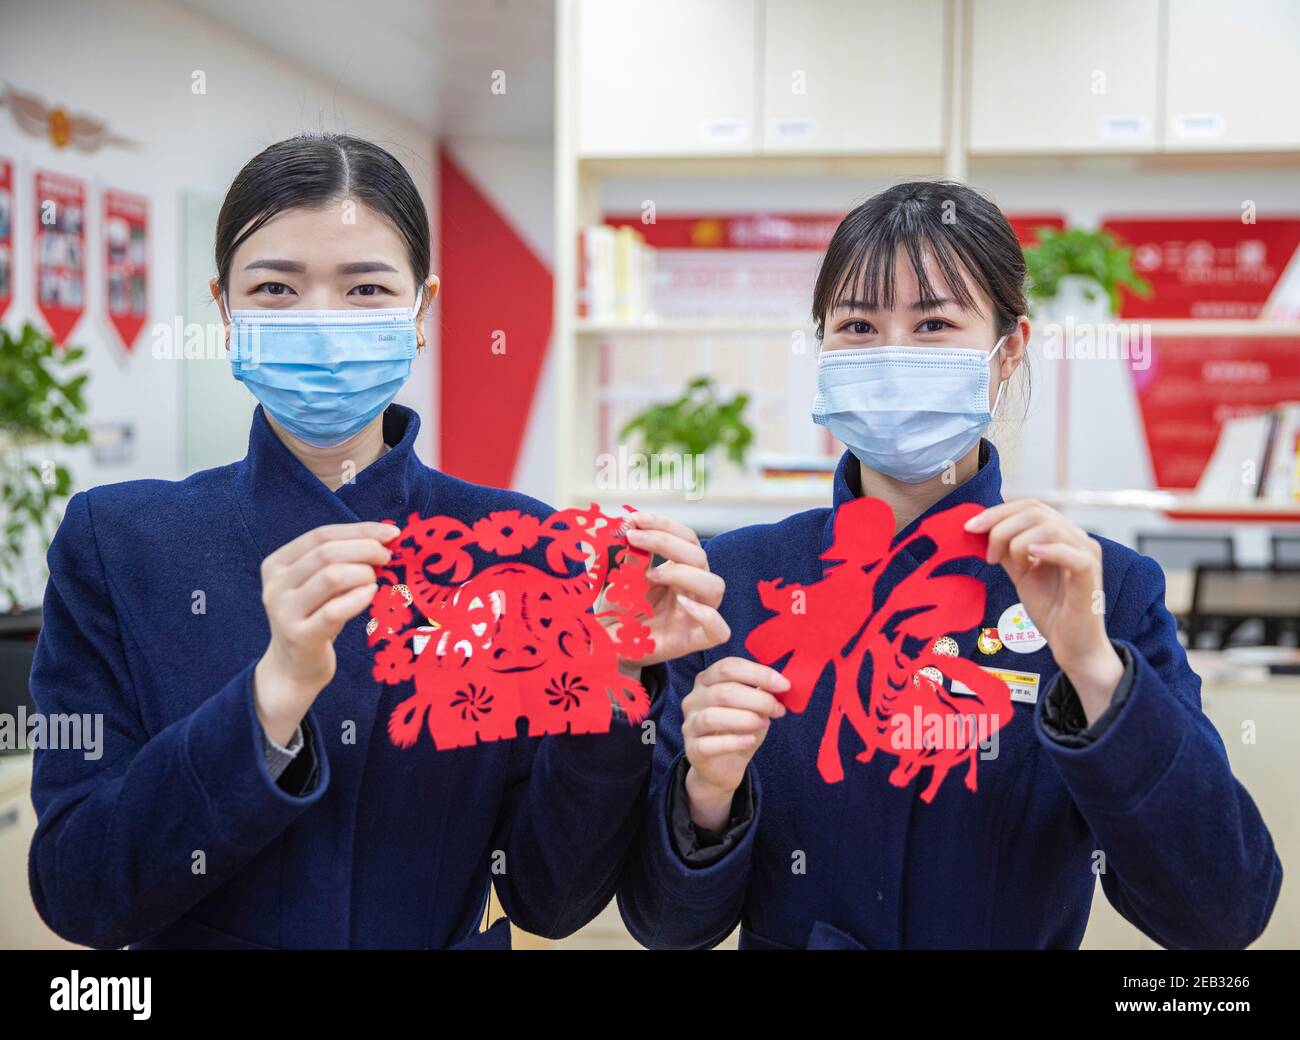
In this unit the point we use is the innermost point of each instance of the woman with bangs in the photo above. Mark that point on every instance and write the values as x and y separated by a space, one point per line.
765 810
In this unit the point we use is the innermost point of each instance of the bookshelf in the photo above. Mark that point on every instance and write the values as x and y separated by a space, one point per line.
580 176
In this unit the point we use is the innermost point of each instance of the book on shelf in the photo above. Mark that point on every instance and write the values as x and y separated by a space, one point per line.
1256 460
616 270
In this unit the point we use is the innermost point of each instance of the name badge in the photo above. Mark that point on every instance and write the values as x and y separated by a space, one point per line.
1023 685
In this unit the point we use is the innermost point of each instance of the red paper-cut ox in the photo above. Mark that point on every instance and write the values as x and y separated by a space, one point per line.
826 623
513 640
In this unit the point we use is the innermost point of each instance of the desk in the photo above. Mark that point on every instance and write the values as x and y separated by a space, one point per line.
20 926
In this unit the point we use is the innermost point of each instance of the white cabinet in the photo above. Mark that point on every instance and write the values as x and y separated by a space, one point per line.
861 76
1233 75
665 77
1063 77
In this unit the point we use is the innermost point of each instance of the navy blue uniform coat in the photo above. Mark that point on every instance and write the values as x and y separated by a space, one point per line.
1187 858
392 848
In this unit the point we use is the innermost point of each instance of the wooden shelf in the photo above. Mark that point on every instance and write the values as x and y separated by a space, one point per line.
1178 505
726 497
690 327
1165 327
755 164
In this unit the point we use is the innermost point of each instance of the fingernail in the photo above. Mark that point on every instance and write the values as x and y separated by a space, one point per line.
782 681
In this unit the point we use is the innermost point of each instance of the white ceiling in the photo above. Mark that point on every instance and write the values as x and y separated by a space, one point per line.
430 61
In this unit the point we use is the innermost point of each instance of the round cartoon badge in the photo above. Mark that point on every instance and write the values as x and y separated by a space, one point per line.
988 642
1018 632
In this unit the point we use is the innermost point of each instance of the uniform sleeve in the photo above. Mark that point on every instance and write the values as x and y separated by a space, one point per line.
133 835
666 901
1188 859
569 818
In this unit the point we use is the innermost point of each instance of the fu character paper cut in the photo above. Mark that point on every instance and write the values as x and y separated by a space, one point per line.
489 637
898 653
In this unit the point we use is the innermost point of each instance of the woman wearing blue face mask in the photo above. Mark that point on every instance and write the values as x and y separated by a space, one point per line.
1105 768
247 794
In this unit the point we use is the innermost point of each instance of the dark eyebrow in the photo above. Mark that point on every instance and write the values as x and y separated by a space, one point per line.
920 305
297 267
366 267
293 266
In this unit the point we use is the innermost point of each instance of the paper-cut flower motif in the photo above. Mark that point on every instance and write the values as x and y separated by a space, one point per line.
628 584
473 702
634 639
394 663
507 533
566 691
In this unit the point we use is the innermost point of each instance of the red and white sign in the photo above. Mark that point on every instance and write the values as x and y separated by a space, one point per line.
59 257
126 263
1026 225
779 230
6 235
1194 383
1207 267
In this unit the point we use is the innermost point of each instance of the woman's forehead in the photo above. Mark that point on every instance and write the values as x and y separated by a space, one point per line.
870 283
324 232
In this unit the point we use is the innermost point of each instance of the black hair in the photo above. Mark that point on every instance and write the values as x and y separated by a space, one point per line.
314 170
963 230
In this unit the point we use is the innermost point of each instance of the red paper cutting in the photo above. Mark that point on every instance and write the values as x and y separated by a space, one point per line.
512 639
823 624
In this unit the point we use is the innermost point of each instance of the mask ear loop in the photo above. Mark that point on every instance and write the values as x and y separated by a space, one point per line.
1002 383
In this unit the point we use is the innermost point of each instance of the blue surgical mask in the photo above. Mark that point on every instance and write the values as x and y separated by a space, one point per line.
907 412
323 375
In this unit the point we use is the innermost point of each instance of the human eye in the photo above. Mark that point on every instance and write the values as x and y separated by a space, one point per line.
857 327
272 289
933 325
371 289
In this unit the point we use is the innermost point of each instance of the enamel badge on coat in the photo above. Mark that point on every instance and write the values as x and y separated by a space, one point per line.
1018 632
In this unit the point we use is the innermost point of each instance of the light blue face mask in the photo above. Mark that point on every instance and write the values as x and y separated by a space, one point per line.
323 375
907 412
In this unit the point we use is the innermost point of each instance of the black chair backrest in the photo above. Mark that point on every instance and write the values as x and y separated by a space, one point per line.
1286 550
1184 551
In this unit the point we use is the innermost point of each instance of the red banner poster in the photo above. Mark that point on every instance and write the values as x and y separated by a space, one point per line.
1206 267
1194 384
6 235
60 253
126 263
777 230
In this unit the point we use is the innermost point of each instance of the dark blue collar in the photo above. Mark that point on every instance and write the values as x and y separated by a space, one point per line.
984 488
280 498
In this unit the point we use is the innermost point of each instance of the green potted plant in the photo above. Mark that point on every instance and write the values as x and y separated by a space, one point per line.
41 404
699 424
1078 263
